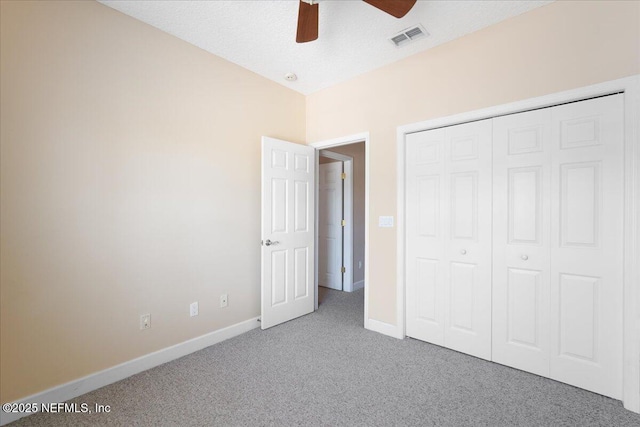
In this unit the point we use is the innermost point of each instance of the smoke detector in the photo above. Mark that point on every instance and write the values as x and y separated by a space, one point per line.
291 77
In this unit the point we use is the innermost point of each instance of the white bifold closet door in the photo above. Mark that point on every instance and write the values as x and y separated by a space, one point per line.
557 270
514 241
448 263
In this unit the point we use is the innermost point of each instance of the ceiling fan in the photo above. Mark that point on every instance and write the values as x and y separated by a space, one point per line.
308 15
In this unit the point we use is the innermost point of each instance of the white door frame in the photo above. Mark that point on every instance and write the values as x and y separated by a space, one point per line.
347 206
336 142
631 294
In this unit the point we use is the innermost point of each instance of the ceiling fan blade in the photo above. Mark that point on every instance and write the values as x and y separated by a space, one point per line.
307 22
397 8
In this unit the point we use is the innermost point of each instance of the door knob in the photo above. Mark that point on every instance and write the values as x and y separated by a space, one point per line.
463 252
524 257
269 242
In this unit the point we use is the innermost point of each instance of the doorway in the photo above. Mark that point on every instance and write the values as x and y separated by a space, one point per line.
334 238
337 200
341 195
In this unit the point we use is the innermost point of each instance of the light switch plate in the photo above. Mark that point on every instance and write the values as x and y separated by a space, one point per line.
193 309
385 221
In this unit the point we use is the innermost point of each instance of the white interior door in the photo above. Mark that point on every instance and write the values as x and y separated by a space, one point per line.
587 244
288 218
521 240
449 237
330 233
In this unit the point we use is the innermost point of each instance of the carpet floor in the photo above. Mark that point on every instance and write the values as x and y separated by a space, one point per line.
325 369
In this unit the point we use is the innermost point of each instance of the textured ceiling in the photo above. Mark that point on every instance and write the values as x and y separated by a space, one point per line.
353 36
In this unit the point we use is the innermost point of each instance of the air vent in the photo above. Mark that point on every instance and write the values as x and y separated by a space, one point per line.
408 35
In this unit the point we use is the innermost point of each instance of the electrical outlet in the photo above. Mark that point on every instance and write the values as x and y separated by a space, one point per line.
224 301
145 321
193 309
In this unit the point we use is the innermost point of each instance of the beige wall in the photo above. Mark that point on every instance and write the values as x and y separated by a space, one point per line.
564 45
130 184
357 151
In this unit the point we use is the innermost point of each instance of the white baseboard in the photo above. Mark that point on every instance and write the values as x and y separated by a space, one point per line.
94 381
383 328
358 285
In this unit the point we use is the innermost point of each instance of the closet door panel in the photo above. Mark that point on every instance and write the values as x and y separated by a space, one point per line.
448 237
468 246
521 239
587 244
426 225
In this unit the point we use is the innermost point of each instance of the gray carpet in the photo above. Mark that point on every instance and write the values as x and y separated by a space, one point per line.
325 369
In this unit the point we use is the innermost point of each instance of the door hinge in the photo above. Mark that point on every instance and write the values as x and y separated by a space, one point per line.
344 175
344 269
344 222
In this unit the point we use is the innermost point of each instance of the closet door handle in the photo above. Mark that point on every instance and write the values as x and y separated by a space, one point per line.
524 257
463 252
